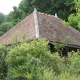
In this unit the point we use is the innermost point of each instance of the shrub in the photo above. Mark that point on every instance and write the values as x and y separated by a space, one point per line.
74 62
27 61
3 66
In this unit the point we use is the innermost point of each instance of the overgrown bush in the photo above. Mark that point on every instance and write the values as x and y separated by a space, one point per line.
73 63
3 66
30 60
34 61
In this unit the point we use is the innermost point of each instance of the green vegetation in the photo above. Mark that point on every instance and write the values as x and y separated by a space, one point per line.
4 27
74 19
34 61
3 65
2 18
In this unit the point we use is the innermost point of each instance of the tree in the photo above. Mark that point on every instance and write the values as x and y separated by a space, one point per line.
2 18
15 15
26 7
62 7
74 19
4 27
8 17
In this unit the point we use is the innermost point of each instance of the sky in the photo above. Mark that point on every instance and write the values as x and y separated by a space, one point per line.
7 5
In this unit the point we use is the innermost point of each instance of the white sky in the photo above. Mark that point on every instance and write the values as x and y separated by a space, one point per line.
7 5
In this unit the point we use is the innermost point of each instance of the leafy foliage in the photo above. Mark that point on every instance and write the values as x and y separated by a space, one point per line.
63 8
28 60
4 27
74 62
74 19
34 61
3 66
2 18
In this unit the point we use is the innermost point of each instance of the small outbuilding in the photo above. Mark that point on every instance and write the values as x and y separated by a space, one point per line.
41 25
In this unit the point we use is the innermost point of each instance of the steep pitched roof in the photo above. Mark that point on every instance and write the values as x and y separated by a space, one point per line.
25 28
42 25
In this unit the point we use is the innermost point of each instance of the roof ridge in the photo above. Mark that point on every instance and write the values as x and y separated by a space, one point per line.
36 23
49 15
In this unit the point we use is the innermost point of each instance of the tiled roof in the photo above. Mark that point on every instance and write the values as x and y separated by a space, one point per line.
46 25
50 26
24 28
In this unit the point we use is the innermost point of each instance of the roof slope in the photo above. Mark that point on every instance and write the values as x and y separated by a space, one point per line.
50 26
24 28
46 26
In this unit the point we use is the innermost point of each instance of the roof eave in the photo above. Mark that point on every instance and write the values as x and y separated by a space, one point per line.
66 45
